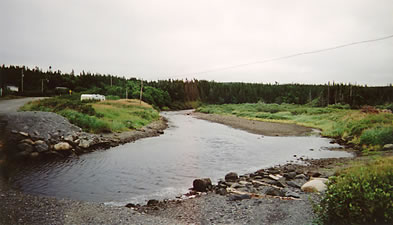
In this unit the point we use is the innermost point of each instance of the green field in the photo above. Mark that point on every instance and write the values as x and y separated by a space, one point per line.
98 117
369 130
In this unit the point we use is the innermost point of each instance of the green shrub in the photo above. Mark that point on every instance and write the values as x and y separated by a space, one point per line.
362 194
377 136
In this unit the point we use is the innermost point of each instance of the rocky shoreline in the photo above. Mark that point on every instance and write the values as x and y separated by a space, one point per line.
30 135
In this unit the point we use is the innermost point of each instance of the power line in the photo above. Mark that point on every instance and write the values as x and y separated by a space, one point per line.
288 56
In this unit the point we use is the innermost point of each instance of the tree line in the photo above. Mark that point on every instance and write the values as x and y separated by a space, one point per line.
177 94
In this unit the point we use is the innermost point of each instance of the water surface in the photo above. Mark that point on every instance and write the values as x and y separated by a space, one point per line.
165 166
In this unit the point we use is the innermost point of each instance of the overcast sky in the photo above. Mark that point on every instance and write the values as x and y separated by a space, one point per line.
179 38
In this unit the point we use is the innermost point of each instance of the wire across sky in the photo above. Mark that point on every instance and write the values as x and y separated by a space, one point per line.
285 57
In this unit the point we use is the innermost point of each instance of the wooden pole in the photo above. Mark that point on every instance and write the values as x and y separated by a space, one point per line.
22 80
126 92
140 96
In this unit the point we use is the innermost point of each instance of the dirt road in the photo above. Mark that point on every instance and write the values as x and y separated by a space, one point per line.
9 106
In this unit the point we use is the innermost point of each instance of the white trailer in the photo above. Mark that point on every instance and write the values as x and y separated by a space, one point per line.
92 97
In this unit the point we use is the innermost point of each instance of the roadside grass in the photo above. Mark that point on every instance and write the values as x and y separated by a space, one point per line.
371 131
98 117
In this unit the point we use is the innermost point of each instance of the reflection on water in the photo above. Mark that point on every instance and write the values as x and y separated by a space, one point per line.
165 166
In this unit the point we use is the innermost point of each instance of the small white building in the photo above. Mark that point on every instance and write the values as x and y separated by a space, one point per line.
92 97
12 88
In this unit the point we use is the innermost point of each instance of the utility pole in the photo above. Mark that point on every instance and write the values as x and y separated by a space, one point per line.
140 96
328 93
126 92
22 80
111 80
42 85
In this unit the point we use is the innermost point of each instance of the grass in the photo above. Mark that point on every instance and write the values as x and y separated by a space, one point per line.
360 194
98 117
371 131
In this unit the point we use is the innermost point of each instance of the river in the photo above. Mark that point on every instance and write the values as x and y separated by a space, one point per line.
165 166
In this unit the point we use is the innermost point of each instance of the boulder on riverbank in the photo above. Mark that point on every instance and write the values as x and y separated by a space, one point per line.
202 185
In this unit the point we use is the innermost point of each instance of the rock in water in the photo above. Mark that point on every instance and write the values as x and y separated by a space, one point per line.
62 146
315 185
41 146
152 202
231 177
202 185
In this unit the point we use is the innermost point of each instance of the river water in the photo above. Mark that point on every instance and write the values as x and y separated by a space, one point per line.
165 166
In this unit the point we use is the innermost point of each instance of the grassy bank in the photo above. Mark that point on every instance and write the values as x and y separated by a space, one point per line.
369 130
98 117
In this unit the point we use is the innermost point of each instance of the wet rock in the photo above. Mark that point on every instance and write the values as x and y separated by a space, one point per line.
130 205
41 146
231 177
316 185
24 134
152 202
388 147
25 147
28 141
34 154
202 185
274 192
62 146
238 197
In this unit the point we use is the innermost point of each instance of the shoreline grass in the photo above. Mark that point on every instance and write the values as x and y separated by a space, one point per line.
369 131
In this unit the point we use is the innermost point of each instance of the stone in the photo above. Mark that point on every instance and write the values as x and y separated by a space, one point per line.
24 134
152 202
301 176
69 138
14 131
34 154
239 197
316 185
202 185
292 194
231 177
130 205
290 175
274 192
222 191
84 143
25 147
293 184
41 146
28 141
61 146
275 177
388 147
314 174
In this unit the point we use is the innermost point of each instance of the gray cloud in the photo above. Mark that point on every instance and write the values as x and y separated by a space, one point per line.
163 39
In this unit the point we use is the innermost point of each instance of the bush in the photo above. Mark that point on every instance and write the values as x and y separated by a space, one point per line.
377 136
362 194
